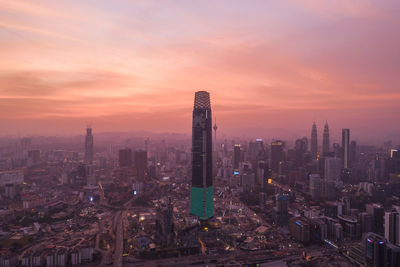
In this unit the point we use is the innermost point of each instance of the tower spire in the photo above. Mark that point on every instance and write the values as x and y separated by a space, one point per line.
325 139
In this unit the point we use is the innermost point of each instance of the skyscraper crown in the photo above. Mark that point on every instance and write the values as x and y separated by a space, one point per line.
202 99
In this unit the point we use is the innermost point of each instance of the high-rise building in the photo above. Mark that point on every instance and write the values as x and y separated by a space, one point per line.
337 150
314 141
165 224
280 210
255 150
141 164
89 146
333 167
325 140
236 156
392 227
277 155
201 193
375 250
300 150
300 229
345 147
315 186
377 212
125 157
394 161
79 176
260 174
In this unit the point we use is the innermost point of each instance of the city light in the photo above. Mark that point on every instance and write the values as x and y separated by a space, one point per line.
102 100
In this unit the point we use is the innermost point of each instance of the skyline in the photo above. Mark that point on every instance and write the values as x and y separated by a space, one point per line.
135 66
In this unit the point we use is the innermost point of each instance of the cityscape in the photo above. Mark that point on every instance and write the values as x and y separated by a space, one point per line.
121 145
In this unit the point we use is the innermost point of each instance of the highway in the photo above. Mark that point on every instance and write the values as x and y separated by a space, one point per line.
119 240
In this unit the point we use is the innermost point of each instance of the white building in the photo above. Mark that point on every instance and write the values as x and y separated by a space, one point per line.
11 177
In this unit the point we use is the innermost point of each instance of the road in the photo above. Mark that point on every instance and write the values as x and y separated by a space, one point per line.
119 240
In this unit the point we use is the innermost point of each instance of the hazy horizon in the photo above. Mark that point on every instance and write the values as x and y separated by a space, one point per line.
128 66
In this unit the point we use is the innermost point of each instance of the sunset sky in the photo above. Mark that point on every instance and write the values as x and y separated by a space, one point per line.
135 65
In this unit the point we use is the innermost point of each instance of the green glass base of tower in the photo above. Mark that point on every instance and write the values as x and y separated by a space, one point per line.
197 202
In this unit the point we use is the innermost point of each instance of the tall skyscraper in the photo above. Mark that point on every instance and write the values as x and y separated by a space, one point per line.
236 156
280 210
141 164
277 155
314 141
345 147
201 193
325 140
165 224
375 250
300 150
333 167
89 146
315 186
392 226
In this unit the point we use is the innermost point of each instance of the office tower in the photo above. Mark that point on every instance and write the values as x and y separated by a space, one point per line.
201 193
394 153
393 255
345 147
375 250
236 156
125 157
281 209
333 167
165 224
315 186
277 155
146 144
337 150
305 141
314 141
141 164
328 186
394 161
377 212
247 177
392 227
80 175
261 178
318 230
300 150
256 150
325 140
300 229
366 222
89 146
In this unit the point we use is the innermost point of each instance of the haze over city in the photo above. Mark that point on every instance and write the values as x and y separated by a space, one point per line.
272 67
219 133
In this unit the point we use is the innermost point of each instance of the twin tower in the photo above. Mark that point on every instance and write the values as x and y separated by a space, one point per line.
201 192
